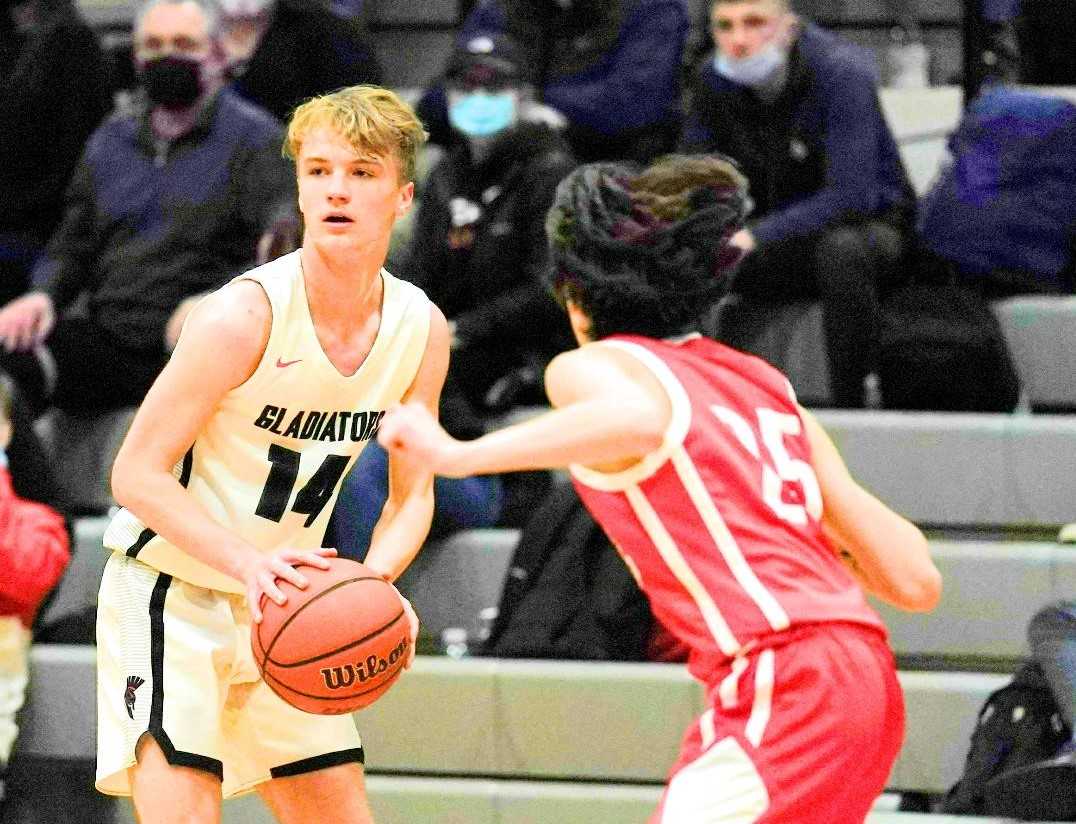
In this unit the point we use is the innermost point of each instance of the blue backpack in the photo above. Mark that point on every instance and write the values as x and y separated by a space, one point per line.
1007 202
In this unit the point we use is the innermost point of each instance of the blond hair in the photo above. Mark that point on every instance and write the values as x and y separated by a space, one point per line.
374 120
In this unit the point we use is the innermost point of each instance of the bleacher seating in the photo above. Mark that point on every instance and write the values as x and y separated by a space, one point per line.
953 470
551 740
452 581
538 737
83 450
528 732
1037 328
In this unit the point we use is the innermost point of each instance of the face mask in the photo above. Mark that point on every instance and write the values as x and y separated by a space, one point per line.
760 69
480 114
172 82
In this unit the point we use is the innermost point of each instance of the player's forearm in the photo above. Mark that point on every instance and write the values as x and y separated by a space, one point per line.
158 501
590 433
890 554
399 533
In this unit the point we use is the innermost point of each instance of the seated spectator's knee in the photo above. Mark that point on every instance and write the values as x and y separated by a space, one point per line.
842 253
887 242
841 242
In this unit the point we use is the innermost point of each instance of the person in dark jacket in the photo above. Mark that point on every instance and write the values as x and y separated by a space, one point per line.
478 246
280 52
54 91
612 68
797 107
167 202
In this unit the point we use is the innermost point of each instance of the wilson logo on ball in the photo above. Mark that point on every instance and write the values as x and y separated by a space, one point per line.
337 678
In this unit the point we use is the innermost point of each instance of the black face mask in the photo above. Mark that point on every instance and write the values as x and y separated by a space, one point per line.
172 82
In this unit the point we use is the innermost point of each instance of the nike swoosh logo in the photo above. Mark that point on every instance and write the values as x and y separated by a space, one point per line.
282 363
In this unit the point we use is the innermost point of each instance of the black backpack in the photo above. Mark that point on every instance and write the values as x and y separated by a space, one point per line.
942 349
568 594
1018 725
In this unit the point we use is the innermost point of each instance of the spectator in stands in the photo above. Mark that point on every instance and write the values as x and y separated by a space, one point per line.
167 202
34 551
478 250
54 90
478 247
281 52
610 67
797 107
1042 791
1052 636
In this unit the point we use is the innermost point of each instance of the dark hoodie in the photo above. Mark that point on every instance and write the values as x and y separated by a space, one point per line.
487 269
54 90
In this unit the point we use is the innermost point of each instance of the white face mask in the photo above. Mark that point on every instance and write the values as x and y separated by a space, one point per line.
758 70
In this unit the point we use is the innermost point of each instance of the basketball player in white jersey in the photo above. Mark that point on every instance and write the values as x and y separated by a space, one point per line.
228 476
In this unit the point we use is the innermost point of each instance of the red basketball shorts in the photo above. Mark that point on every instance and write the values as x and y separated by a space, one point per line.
801 732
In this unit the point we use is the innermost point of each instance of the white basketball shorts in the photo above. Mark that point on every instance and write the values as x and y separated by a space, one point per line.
174 662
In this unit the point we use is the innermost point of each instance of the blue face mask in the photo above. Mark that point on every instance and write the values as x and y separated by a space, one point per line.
481 114
760 69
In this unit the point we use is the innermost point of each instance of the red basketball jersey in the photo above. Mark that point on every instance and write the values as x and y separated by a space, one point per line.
721 525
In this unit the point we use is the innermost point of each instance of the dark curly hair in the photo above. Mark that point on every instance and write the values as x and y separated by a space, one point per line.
645 251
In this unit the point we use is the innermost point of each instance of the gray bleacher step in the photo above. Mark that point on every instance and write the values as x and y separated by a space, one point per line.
990 591
955 469
1039 330
401 800
535 720
452 581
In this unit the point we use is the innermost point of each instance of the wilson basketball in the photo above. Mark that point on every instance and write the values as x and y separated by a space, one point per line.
336 646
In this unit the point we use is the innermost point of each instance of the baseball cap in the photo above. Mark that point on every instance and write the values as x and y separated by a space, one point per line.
485 60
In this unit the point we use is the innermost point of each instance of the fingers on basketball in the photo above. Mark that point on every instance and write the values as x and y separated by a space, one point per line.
336 646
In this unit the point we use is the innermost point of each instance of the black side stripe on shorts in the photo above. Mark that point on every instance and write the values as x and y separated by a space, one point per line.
147 535
319 762
176 758
144 537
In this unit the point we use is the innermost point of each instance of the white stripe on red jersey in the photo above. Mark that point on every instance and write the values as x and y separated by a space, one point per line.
722 522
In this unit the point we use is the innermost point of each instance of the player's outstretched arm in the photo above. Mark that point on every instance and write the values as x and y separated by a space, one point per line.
888 554
408 510
610 412
220 347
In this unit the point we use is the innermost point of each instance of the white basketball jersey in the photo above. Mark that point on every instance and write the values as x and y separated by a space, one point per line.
269 463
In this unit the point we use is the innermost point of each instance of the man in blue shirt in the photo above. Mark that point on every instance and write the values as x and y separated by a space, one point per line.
797 107
168 201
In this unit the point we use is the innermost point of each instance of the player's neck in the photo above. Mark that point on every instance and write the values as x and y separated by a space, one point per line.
341 289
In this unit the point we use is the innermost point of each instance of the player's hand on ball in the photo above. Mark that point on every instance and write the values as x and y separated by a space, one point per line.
262 576
411 431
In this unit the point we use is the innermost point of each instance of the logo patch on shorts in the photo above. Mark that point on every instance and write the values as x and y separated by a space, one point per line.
133 683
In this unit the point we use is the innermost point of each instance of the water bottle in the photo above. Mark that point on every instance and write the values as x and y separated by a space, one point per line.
908 60
486 619
454 642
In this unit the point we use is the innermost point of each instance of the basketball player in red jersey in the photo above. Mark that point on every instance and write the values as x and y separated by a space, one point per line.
727 500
